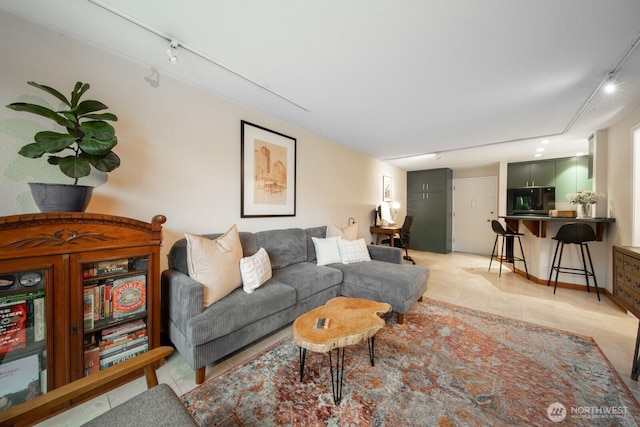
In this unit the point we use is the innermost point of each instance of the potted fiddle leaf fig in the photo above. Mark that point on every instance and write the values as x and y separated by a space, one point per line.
87 142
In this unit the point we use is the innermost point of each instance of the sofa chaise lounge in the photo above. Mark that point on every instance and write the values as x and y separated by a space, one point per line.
205 335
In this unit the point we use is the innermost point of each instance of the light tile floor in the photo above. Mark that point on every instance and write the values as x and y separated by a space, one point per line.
457 278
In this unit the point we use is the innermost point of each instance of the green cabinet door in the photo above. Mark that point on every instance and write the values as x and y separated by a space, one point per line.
583 182
565 178
428 180
439 222
543 174
431 230
517 175
531 174
437 179
417 207
572 175
416 181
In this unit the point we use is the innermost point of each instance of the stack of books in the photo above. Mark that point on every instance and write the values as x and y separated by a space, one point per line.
116 345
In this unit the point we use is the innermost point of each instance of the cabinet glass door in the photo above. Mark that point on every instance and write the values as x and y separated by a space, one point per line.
23 335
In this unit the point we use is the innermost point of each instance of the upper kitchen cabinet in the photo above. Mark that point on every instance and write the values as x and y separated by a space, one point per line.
584 180
531 174
572 175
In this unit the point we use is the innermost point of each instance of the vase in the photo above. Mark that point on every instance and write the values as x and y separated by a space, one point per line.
61 197
584 210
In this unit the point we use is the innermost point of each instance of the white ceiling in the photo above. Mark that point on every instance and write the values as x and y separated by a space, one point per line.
389 78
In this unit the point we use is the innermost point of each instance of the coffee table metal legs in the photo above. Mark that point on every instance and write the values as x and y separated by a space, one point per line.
371 344
337 379
336 384
303 355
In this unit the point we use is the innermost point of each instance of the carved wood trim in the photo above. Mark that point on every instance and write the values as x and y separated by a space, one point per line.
63 231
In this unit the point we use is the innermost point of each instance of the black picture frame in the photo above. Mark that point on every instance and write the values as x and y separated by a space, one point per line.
268 172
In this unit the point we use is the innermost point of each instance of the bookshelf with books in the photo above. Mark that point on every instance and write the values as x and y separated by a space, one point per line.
79 292
114 312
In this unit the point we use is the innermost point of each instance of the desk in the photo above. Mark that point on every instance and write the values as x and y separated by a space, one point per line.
388 230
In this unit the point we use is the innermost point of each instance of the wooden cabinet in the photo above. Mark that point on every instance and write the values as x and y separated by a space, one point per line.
429 201
626 290
626 277
74 282
531 174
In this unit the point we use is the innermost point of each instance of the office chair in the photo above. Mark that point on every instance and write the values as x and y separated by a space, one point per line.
402 241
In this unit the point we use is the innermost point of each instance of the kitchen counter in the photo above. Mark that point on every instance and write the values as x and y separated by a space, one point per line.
537 225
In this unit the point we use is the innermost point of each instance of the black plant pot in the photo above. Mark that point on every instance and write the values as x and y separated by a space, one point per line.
61 197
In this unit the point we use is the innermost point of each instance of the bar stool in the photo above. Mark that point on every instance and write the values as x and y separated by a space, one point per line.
506 234
577 234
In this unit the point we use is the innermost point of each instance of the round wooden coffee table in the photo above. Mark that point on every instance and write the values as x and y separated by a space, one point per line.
351 320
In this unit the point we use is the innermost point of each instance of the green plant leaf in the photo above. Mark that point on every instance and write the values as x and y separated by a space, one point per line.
97 147
102 116
78 90
54 160
98 130
75 167
51 91
105 163
32 151
86 107
41 111
53 142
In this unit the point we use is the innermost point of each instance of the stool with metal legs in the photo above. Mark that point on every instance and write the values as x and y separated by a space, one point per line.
577 234
506 234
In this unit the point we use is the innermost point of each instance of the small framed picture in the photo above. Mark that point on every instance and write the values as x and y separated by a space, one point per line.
386 188
268 173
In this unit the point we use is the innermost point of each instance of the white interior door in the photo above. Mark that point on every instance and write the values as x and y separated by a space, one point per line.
475 204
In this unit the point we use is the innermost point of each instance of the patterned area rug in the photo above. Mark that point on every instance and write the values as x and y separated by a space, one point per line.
445 366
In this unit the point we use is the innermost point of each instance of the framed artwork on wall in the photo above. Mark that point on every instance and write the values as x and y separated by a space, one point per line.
386 188
268 172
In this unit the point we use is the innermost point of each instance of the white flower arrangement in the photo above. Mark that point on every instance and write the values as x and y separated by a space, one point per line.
584 197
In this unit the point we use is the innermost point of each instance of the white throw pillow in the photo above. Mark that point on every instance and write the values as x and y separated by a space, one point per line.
215 263
348 233
353 251
255 270
327 250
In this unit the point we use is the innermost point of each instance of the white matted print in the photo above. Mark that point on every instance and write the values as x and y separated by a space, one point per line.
386 188
268 181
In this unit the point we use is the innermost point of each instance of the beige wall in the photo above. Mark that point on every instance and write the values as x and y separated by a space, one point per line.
620 178
179 145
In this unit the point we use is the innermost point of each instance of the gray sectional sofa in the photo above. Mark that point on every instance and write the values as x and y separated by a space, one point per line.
298 285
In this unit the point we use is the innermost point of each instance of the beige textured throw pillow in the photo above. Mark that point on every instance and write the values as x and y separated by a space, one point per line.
350 232
255 270
215 263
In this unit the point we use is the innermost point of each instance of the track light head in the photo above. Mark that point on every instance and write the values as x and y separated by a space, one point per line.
173 44
611 84
172 58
